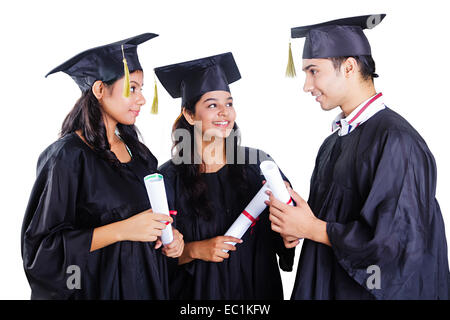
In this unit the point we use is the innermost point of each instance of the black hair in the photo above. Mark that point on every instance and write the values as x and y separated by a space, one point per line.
193 182
365 62
87 116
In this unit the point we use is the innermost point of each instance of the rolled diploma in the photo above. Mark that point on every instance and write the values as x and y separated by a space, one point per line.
275 181
254 208
154 183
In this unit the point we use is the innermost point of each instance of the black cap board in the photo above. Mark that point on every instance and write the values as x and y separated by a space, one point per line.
191 79
336 38
105 62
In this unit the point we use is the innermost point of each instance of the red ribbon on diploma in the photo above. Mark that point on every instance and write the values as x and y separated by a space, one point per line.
253 220
172 213
250 217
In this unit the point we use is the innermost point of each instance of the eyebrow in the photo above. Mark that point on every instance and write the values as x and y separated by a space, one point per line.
308 67
214 99
141 85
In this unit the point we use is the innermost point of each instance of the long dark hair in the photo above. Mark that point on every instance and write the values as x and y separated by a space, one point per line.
194 185
86 116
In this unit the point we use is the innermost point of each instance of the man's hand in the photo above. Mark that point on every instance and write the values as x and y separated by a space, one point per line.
295 222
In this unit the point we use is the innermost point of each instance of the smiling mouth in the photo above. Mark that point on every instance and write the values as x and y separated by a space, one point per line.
221 124
317 96
135 112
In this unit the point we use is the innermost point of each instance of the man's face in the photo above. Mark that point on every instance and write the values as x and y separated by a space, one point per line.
324 82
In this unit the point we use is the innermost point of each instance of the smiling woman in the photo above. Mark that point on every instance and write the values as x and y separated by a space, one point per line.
103 109
89 209
215 113
212 186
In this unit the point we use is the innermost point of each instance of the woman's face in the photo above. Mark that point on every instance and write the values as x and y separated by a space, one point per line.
216 112
120 109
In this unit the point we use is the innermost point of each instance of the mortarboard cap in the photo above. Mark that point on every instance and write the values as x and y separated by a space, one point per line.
192 79
105 63
336 38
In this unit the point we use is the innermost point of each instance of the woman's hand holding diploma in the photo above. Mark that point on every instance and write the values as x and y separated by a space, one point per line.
210 250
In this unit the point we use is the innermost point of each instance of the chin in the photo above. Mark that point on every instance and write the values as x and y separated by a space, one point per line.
327 107
221 134
225 133
128 122
218 133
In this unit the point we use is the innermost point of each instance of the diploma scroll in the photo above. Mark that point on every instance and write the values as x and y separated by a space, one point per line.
275 181
248 217
154 183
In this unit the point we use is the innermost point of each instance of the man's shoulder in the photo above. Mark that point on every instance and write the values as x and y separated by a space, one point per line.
390 124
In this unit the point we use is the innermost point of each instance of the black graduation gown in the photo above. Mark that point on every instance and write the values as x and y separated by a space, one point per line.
75 192
375 187
251 272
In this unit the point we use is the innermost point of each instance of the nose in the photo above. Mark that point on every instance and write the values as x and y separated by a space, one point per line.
223 110
308 86
140 99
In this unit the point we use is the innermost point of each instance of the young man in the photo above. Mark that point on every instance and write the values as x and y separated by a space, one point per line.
372 226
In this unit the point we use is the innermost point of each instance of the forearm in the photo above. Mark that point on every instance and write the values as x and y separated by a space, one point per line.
106 235
188 253
319 232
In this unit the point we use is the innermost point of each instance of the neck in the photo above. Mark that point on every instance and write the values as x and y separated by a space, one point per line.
357 97
213 154
110 127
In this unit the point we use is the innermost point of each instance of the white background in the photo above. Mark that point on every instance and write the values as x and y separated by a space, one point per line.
410 48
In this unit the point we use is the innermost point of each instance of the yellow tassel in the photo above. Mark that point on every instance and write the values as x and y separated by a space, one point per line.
290 69
155 101
126 80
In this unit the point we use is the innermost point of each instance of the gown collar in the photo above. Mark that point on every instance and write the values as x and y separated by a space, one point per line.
362 113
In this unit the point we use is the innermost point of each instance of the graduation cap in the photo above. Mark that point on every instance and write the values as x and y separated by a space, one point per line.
336 38
105 63
191 79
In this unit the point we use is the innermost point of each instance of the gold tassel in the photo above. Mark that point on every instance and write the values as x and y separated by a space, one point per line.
290 69
155 101
126 80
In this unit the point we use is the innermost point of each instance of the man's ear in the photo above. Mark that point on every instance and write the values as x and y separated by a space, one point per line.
98 89
350 67
188 116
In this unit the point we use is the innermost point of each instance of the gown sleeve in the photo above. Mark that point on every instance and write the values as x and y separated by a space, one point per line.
394 225
51 240
169 174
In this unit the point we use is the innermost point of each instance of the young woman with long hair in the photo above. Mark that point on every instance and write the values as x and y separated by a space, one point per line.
88 232
210 180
